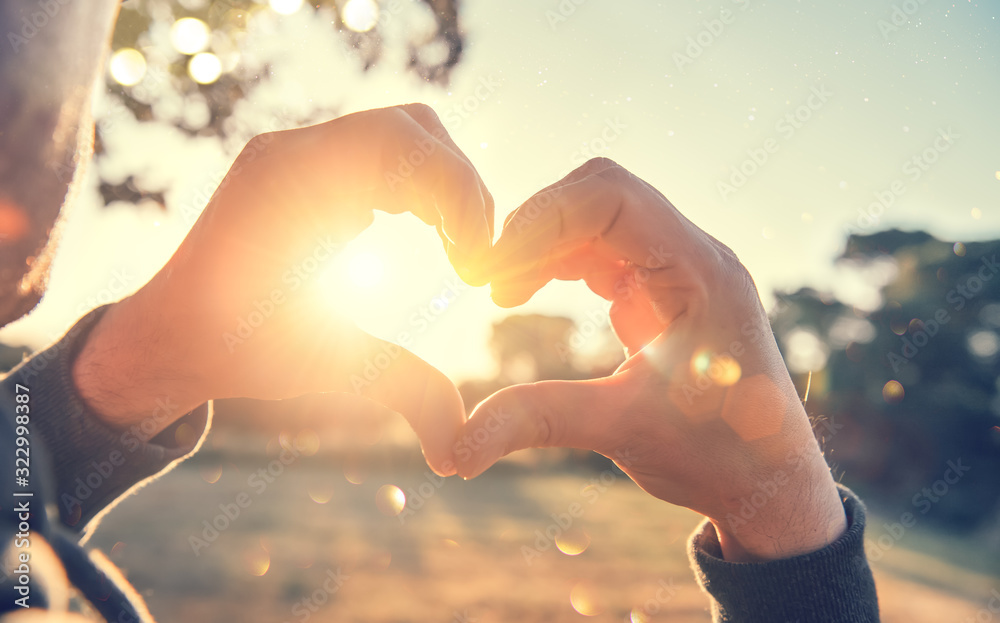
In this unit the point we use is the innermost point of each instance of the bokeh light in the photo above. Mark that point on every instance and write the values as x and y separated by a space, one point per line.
185 435
13 222
360 15
573 542
806 352
893 392
583 598
984 344
210 473
355 473
205 68
307 442
127 66
320 492
285 7
257 561
390 500
117 549
189 35
638 615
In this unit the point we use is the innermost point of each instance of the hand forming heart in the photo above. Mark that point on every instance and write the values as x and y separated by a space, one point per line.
703 407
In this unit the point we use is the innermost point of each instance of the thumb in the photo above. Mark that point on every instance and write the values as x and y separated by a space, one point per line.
396 378
570 414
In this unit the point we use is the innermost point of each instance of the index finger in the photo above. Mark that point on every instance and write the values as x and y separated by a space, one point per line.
608 208
459 195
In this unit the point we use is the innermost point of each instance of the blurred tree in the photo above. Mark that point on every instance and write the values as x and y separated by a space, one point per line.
181 62
912 385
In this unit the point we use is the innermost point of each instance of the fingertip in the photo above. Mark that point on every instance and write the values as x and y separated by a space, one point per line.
445 469
507 296
473 271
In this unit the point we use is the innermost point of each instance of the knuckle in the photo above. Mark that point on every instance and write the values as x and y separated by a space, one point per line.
544 420
419 109
599 163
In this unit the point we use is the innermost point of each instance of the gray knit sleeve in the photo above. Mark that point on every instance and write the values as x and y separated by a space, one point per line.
90 464
831 585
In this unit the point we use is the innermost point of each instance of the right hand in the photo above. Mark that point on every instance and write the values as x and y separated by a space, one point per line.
267 229
703 410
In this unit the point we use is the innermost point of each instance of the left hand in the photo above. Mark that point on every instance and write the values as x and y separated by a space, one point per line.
703 412
236 311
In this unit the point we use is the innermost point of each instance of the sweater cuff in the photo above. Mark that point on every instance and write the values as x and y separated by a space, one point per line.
830 585
92 464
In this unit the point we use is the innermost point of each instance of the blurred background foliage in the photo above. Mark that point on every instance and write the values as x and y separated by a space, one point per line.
180 62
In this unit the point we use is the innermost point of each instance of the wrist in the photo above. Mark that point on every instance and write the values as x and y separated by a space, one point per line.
797 512
130 371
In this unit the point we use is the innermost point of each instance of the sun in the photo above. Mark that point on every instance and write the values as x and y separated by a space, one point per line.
366 270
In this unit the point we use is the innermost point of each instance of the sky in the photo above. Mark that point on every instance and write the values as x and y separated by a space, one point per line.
777 127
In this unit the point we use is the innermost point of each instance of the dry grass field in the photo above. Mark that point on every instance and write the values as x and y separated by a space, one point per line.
312 545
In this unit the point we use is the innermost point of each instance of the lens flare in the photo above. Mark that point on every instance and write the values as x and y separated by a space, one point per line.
320 492
307 442
893 392
285 7
360 15
210 473
638 615
355 473
390 500
257 561
127 66
189 35
573 542
583 598
205 68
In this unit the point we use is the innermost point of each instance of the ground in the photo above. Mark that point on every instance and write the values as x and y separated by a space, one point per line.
312 545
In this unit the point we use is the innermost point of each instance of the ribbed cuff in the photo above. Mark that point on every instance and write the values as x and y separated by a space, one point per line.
93 465
830 585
